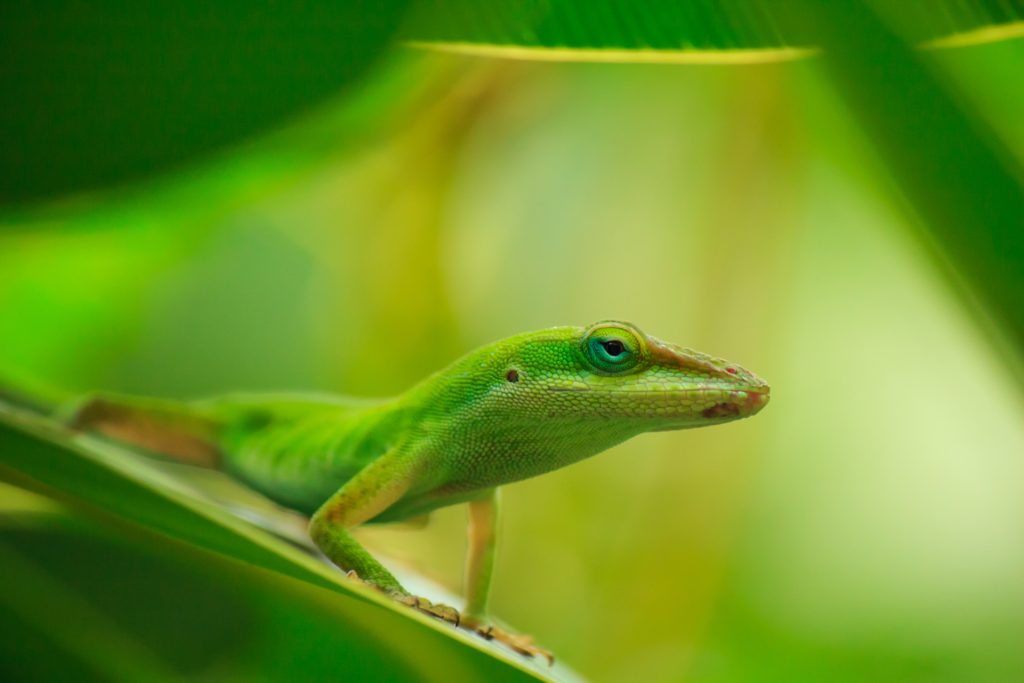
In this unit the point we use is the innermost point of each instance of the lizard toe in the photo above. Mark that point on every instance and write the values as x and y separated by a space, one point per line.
518 642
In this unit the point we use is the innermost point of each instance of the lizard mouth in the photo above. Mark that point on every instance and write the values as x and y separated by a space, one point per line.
743 404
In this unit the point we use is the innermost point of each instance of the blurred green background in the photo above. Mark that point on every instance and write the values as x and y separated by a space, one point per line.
868 525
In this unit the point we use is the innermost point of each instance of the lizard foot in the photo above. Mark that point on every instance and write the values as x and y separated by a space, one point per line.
521 643
442 612
437 610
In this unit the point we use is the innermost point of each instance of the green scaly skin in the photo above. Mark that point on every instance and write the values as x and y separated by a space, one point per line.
514 409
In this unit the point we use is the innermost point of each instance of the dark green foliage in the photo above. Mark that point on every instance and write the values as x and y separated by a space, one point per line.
101 93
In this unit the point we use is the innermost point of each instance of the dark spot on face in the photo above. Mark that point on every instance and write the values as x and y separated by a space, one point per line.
512 375
722 410
731 371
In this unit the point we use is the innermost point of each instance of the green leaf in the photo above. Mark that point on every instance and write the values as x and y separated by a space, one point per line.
672 31
150 511
106 92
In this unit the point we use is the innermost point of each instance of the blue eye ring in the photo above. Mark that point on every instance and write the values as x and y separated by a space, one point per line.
611 349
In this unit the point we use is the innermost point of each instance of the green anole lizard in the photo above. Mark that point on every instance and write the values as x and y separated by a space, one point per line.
514 409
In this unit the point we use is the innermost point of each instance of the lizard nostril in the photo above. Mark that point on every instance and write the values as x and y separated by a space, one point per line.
512 375
731 371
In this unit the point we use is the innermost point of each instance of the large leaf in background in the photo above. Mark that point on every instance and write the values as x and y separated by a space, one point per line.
680 31
129 498
104 92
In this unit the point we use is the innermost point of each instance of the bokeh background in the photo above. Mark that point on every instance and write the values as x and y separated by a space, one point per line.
868 525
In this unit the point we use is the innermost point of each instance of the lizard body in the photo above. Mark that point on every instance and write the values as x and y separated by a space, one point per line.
511 410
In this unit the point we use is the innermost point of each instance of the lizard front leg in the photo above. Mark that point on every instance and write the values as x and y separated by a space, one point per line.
483 526
374 489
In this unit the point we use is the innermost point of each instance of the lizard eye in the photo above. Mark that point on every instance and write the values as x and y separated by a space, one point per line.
611 349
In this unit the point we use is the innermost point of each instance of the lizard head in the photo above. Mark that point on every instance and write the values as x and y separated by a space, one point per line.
613 371
541 400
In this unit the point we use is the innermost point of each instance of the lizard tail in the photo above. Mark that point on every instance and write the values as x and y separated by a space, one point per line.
168 428
172 429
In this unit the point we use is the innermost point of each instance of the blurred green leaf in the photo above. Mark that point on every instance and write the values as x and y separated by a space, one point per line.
694 31
125 493
127 606
102 93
